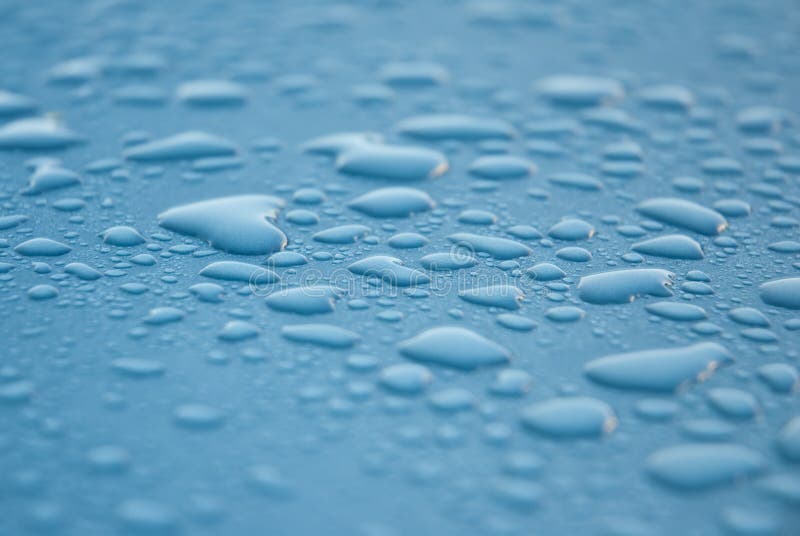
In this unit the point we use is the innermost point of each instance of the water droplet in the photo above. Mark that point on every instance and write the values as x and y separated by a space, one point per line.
198 417
392 162
184 146
575 180
393 202
685 214
38 133
497 247
677 311
789 440
42 247
571 229
42 292
624 286
780 293
334 144
406 378
407 241
306 300
82 271
733 403
211 93
413 74
667 97
159 316
780 377
662 369
122 236
454 347
237 224
138 367
389 270
674 246
576 90
570 418
342 234
503 296
238 330
239 271
499 167
14 104
50 177
704 466
326 335
446 261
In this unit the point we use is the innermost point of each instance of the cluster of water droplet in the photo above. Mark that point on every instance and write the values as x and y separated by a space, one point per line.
570 298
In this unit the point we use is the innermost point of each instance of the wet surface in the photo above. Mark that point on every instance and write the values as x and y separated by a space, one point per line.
493 267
